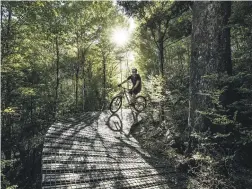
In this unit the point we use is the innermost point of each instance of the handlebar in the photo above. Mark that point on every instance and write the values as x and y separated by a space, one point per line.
124 88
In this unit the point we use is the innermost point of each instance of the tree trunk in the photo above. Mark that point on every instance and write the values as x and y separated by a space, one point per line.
77 69
8 145
104 79
161 57
7 36
7 127
84 82
209 55
226 36
2 49
76 86
57 75
161 71
31 108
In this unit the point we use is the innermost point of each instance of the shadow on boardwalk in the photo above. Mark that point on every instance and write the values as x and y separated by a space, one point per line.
96 150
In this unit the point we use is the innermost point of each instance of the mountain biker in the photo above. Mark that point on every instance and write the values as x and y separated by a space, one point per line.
136 85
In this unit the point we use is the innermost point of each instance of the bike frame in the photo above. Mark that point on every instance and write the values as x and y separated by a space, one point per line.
124 93
119 96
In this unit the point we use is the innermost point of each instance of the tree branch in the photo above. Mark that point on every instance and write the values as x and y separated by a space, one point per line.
175 41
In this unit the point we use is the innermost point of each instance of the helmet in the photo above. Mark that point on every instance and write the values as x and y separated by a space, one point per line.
134 69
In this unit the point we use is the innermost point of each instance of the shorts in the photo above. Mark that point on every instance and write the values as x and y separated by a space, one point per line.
135 91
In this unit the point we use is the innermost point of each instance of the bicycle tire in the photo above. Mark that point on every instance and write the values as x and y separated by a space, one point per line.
140 103
118 101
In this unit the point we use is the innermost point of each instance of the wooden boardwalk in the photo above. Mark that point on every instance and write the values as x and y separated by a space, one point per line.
95 150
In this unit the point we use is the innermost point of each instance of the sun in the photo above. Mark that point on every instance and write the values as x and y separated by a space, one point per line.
120 36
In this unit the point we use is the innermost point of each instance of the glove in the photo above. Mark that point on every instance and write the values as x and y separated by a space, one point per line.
119 85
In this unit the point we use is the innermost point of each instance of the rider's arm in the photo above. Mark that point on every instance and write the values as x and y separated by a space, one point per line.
136 85
123 82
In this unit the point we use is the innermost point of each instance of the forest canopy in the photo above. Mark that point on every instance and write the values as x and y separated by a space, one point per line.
62 58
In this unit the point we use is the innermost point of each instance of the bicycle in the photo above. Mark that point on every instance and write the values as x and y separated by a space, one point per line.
116 102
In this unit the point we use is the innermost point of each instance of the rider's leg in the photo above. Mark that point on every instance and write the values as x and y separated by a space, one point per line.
133 98
130 97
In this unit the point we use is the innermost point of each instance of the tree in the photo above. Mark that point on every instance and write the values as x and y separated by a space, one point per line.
157 17
164 23
39 49
210 56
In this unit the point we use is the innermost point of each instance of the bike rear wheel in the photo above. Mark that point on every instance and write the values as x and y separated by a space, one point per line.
115 104
140 103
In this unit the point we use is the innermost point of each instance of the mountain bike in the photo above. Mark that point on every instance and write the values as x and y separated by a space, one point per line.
116 102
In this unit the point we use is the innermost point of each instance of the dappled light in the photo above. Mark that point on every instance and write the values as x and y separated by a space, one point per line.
100 152
126 94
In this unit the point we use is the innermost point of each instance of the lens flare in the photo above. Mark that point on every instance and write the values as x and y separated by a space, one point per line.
120 36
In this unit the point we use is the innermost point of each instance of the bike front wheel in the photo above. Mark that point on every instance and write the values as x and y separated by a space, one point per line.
115 104
140 103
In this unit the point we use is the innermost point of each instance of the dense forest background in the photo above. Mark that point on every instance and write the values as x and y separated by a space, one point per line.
195 59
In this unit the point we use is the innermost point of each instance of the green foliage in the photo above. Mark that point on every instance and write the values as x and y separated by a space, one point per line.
221 155
228 140
27 91
57 59
49 49
9 110
4 182
153 88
